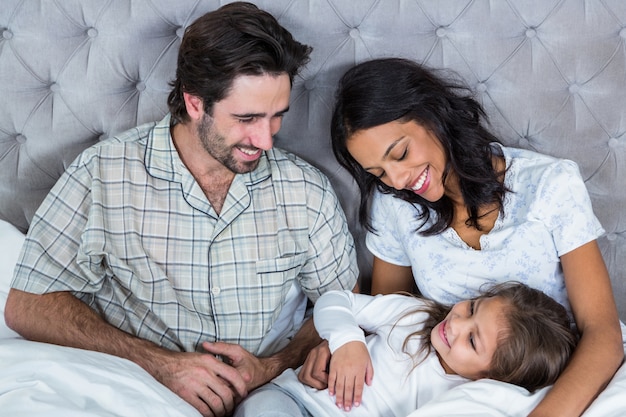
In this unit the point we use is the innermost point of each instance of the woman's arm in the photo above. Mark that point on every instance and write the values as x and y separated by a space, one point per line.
389 278
600 351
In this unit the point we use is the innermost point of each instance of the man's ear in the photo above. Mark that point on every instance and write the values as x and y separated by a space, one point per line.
194 106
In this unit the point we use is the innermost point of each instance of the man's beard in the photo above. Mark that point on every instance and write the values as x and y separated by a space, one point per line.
215 144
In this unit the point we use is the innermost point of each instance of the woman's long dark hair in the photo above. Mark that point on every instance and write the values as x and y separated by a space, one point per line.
536 345
395 89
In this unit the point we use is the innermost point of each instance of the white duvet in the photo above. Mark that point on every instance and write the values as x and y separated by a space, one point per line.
54 381
41 380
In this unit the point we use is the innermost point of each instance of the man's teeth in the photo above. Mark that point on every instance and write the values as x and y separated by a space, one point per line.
248 151
421 180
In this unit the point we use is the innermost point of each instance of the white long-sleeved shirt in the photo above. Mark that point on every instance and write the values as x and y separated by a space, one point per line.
397 389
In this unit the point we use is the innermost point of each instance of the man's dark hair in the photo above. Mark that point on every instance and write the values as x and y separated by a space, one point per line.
236 39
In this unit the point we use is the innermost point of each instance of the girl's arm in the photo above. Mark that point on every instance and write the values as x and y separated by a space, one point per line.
350 366
341 318
600 351
388 278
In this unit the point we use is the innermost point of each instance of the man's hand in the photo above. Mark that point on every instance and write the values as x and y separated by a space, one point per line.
314 371
254 371
350 368
213 387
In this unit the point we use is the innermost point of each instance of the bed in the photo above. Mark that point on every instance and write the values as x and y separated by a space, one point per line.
551 74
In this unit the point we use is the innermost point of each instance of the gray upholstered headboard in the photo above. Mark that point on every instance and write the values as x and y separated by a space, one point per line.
551 73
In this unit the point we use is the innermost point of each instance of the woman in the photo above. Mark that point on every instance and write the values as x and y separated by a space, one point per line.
449 208
416 349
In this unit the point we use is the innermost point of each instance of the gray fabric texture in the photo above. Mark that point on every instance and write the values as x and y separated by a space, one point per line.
551 74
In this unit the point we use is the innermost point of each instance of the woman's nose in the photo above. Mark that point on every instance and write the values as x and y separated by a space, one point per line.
397 177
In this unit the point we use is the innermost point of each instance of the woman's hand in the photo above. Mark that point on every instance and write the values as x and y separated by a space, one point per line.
350 368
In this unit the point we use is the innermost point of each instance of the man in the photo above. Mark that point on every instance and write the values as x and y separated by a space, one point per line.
192 239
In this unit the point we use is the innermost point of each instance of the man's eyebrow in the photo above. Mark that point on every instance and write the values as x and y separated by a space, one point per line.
250 115
281 112
387 151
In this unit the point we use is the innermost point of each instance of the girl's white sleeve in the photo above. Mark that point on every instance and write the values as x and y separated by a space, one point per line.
341 316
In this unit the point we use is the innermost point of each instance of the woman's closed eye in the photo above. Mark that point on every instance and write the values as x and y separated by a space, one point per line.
378 176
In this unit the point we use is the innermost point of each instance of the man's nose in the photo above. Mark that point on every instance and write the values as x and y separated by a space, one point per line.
263 137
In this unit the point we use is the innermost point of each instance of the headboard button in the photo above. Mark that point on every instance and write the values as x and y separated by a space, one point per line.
7 34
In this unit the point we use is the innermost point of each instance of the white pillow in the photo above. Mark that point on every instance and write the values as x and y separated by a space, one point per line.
39 379
11 241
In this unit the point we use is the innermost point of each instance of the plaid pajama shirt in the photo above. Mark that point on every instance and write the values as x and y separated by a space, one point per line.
129 231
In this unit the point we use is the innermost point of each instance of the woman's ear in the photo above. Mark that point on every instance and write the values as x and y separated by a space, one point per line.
194 106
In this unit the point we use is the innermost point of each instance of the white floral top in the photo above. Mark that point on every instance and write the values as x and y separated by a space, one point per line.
547 214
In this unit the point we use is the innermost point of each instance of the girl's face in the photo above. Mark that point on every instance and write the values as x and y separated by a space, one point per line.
466 340
403 155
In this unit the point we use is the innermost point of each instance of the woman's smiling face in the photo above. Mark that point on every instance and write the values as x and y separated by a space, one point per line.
403 155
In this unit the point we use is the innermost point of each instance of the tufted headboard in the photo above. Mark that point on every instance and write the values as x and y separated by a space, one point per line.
551 74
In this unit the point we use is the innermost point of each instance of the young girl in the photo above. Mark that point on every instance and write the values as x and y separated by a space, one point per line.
393 353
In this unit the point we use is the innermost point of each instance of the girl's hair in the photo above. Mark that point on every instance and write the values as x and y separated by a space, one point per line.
394 89
236 39
535 345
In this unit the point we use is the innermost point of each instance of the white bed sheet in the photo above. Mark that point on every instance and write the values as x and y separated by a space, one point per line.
53 381
46 380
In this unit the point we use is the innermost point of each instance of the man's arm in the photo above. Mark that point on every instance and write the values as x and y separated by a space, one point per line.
207 383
